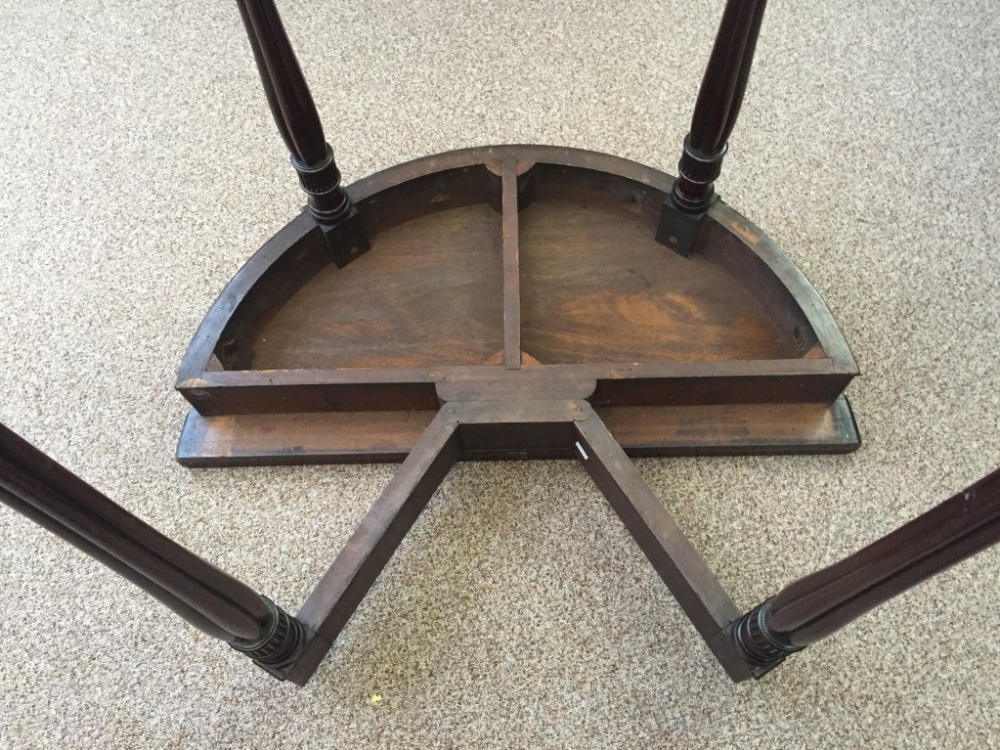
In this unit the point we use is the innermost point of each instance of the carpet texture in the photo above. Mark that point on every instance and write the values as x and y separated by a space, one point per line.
140 168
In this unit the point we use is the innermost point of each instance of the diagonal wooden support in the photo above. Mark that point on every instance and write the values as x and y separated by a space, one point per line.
462 427
359 564
675 559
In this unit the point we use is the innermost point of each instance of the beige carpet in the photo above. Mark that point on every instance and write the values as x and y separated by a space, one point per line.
140 168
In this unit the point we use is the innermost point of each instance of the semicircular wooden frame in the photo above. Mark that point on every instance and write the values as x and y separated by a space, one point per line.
259 401
508 302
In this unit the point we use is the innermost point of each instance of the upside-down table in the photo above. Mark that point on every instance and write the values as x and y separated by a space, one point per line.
509 302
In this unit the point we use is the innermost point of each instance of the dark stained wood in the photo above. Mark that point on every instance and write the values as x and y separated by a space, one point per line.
298 122
286 391
733 429
253 288
419 352
427 303
474 158
313 437
676 561
818 387
683 217
284 85
167 598
207 597
533 384
727 252
428 293
488 260
724 84
476 425
819 604
292 391
459 178
345 584
332 437
739 246
281 280
636 195
597 287
423 188
511 268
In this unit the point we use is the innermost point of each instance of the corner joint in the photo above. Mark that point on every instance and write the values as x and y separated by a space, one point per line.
757 643
283 637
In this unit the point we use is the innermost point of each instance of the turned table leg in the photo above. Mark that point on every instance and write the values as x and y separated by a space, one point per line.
208 598
819 604
298 122
715 112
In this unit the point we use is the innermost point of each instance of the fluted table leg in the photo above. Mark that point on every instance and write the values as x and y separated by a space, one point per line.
819 604
208 598
717 107
298 122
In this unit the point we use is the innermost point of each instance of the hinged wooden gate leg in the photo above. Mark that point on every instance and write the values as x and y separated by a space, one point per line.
366 553
292 647
676 561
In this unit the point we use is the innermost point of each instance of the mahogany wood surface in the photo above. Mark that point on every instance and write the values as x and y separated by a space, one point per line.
428 293
511 267
508 302
500 259
598 288
379 436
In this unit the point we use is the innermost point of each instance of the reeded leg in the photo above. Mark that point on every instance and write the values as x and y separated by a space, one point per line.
815 606
211 600
715 113
300 127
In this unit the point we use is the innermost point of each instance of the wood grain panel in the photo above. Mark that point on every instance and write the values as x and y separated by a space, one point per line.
596 287
428 293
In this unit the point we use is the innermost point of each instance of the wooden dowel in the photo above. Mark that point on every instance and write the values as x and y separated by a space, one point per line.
819 604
